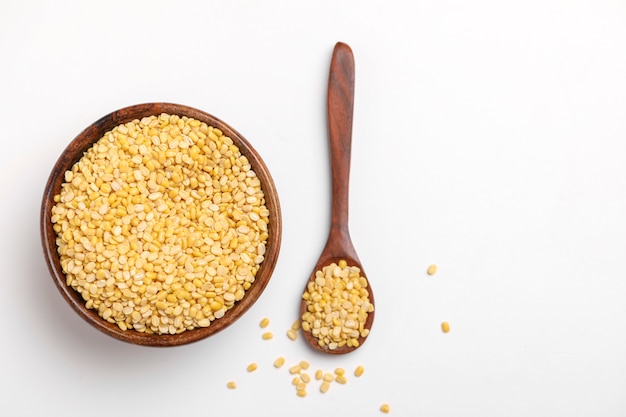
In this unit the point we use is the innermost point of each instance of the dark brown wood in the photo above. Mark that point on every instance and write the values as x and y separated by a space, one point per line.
340 113
75 151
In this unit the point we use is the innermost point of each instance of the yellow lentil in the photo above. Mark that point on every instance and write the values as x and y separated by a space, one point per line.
169 212
252 367
231 385
385 408
359 371
264 323
301 393
445 327
319 374
432 269
292 334
279 362
338 305
325 386
267 335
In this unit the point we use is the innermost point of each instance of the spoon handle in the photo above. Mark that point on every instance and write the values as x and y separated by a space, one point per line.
340 109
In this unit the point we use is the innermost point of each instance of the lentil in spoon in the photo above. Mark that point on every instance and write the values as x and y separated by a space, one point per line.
337 306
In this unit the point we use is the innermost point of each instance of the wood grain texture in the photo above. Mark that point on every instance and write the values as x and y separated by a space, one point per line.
75 150
340 116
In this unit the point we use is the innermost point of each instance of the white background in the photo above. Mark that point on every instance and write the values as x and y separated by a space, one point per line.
489 138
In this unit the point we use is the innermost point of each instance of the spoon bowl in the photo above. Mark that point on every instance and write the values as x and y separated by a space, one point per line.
339 246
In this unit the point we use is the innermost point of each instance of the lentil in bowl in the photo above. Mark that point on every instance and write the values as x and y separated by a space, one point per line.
160 224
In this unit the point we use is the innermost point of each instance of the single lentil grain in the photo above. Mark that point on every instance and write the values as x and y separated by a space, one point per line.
325 386
432 269
231 385
252 367
384 408
445 327
264 323
267 335
279 362
359 371
292 334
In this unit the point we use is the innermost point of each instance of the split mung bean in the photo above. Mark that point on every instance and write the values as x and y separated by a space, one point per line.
279 362
324 387
445 327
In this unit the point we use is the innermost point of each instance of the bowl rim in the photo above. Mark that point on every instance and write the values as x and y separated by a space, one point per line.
75 150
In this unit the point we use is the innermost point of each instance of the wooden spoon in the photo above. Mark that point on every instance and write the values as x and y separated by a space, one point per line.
339 245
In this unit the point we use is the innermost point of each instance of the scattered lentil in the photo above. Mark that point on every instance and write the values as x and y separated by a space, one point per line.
264 323
385 408
325 386
337 306
267 335
279 362
359 371
445 327
161 225
295 369
231 385
252 367
432 269
292 334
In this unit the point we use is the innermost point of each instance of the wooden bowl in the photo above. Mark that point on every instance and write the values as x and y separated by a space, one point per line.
75 151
